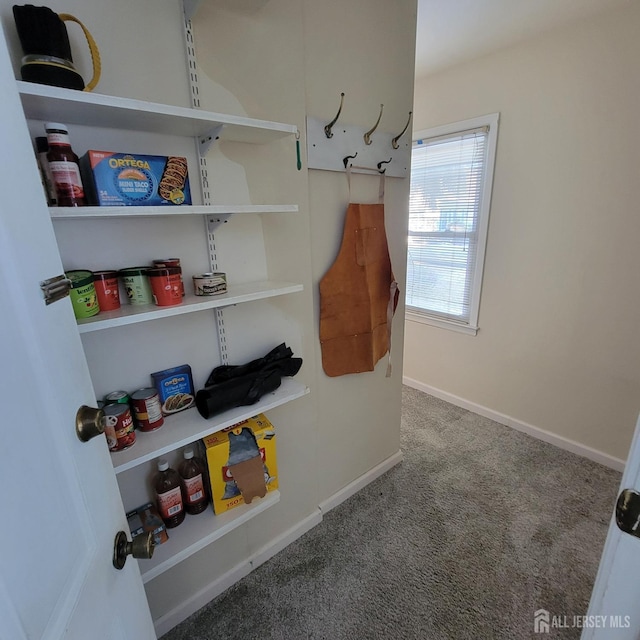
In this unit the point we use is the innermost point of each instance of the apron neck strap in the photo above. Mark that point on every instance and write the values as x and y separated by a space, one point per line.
380 184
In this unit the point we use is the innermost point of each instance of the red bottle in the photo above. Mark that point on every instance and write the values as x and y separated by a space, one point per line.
64 167
169 495
192 475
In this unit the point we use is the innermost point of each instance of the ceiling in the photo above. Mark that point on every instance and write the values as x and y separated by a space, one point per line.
454 31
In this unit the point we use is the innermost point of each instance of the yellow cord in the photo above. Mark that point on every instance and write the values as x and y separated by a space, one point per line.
93 48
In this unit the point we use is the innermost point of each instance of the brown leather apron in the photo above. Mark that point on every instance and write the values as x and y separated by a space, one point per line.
358 296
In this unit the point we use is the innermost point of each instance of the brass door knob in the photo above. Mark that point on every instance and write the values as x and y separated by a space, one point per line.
89 423
141 546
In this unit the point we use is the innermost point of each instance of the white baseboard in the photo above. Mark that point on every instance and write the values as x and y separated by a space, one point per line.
278 544
361 482
189 606
546 436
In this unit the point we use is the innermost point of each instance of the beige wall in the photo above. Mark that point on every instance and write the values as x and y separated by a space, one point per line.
366 49
558 344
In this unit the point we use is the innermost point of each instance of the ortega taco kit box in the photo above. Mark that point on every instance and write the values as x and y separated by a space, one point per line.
127 179
175 388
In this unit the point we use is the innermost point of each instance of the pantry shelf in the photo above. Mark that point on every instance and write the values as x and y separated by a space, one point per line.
236 294
80 213
196 532
44 102
186 427
248 6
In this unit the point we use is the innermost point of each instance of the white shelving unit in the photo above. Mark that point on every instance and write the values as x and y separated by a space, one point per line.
102 213
196 532
186 427
237 294
41 102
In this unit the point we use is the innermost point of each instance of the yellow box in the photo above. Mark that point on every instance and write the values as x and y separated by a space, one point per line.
237 444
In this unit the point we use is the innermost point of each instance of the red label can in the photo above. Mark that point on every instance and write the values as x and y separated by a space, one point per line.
107 290
118 427
166 285
147 409
171 262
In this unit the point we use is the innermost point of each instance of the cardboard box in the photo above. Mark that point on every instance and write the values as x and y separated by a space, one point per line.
175 388
124 179
238 447
146 518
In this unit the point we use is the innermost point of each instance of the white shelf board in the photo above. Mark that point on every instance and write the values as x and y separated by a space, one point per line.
181 429
196 532
247 6
80 213
236 294
43 102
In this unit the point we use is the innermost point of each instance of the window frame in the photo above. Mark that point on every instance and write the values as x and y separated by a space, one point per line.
491 121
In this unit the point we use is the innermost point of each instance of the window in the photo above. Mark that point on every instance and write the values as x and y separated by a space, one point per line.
451 179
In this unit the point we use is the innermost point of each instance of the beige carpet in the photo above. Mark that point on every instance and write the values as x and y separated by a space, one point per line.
477 528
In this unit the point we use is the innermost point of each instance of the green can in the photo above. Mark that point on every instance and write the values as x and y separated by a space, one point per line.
117 397
83 293
137 285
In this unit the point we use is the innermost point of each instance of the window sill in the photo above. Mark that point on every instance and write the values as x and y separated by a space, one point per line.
441 323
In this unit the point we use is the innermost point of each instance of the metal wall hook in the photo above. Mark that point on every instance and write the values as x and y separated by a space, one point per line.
328 127
346 159
367 136
377 169
394 142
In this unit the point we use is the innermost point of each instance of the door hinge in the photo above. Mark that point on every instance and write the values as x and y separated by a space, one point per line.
55 288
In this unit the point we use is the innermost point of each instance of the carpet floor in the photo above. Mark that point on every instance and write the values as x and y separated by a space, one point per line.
479 527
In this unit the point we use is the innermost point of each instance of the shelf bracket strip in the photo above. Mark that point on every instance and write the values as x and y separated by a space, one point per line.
203 144
205 141
190 8
214 221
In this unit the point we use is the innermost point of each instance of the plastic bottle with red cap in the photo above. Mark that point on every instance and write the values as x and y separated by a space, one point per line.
192 475
169 495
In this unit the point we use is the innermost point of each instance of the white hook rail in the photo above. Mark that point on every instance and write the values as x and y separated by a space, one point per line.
347 140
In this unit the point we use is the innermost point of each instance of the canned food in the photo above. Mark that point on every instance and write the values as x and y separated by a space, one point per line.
210 284
118 427
117 397
171 262
136 284
147 409
83 293
166 285
167 262
107 290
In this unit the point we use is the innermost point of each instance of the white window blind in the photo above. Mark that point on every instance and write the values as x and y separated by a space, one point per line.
447 223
